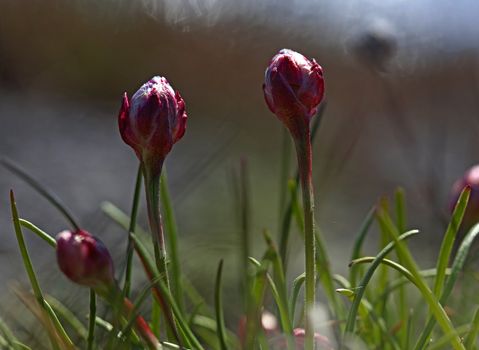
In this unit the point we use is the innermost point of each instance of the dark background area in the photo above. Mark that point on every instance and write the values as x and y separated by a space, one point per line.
402 110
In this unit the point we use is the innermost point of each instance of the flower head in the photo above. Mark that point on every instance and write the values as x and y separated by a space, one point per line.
293 89
152 121
84 259
471 179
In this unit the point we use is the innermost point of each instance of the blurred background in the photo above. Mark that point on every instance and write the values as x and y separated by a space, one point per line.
402 110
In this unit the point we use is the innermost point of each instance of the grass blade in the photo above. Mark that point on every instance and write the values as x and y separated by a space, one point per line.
456 268
448 240
358 243
435 308
40 233
471 337
33 278
162 294
131 228
91 323
220 322
297 284
367 277
42 190
172 234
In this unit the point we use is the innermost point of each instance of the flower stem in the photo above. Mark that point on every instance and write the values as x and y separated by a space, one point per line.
304 156
152 187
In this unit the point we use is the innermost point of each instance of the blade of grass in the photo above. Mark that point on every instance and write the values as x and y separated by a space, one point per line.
40 233
448 240
435 307
9 337
278 286
91 323
446 338
471 337
365 280
358 243
65 313
42 190
220 322
131 228
163 295
297 284
172 234
122 219
32 276
456 268
400 205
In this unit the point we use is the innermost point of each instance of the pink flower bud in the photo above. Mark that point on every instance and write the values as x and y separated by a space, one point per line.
293 89
84 259
152 121
471 179
321 342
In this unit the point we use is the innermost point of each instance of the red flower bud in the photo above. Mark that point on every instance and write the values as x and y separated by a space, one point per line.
293 89
152 121
471 179
84 259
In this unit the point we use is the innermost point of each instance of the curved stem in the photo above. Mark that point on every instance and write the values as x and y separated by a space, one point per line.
304 155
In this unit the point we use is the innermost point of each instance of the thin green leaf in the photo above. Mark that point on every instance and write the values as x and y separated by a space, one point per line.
220 322
297 284
32 276
400 204
446 339
471 337
367 277
40 233
131 228
163 295
448 240
122 219
456 268
358 243
41 189
91 323
172 234
64 312
435 307
9 337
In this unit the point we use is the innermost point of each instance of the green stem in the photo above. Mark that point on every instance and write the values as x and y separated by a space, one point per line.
152 187
131 228
172 233
91 323
304 155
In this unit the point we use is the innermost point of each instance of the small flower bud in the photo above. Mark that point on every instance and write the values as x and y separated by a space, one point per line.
293 89
84 259
471 179
321 342
152 121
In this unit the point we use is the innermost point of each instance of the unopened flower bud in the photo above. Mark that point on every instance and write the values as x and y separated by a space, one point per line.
152 121
293 89
471 179
85 260
321 342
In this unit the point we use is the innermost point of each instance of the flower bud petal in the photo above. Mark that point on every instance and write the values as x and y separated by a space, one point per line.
293 88
84 259
153 120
